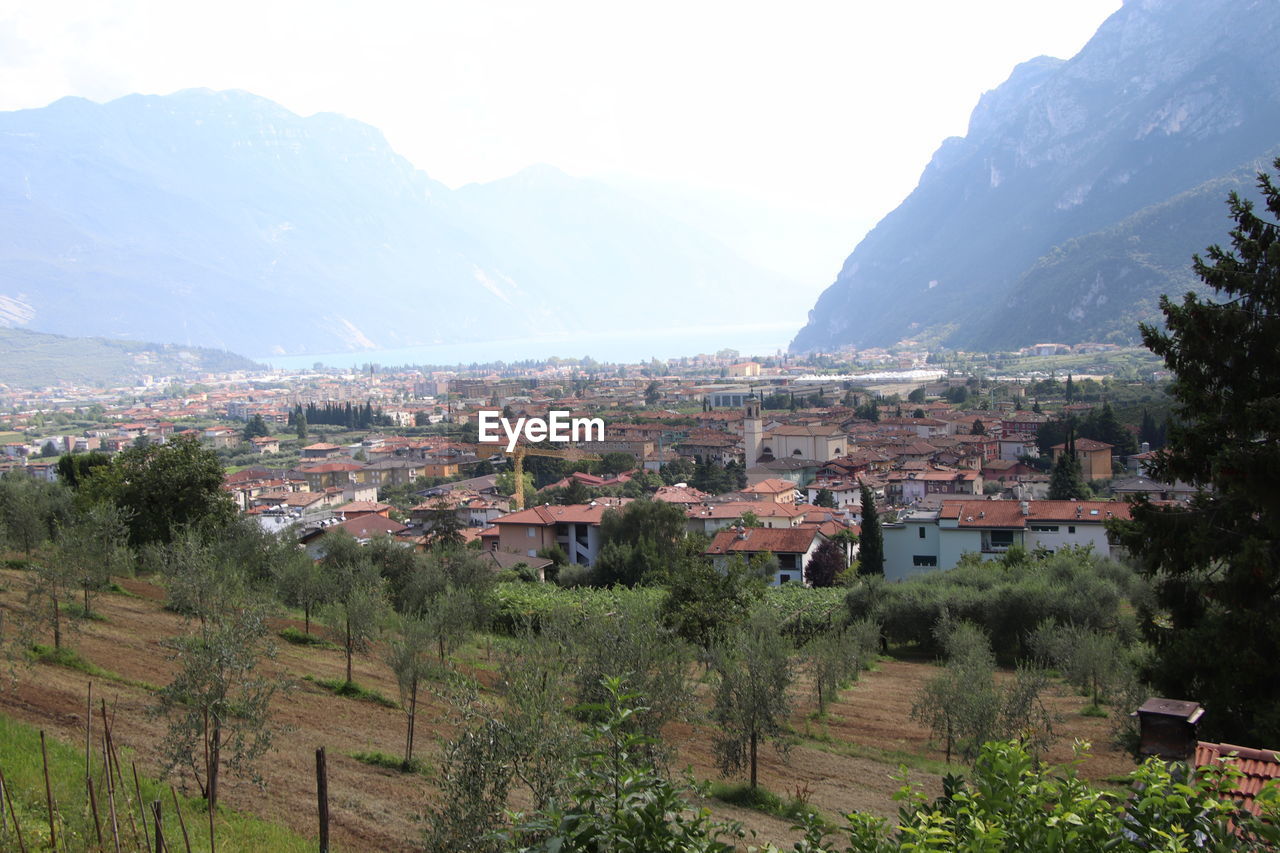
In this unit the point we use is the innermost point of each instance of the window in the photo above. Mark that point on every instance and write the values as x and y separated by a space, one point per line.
924 560
1044 528
1001 538
921 532
784 579
532 553
530 532
1071 529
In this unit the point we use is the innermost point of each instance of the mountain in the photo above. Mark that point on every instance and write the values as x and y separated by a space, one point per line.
223 219
35 360
1079 193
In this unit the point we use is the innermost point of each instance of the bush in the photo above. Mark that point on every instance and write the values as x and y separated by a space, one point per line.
351 690
1007 599
300 638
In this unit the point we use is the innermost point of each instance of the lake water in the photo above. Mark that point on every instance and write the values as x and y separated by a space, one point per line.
624 346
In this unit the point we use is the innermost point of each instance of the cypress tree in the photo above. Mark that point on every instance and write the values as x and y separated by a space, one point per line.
871 543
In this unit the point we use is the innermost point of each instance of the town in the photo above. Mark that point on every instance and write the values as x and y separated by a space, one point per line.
766 442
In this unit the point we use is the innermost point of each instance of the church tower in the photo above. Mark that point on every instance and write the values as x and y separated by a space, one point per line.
752 430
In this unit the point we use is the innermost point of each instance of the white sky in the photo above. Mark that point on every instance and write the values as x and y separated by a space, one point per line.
820 108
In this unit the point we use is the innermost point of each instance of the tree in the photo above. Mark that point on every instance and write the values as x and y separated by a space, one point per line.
31 510
217 704
408 655
74 468
702 604
92 548
301 582
356 602
651 393
164 488
871 550
824 498
826 565
256 428
978 428
917 395
1067 480
961 704
612 464
642 537
1215 563
750 702
300 426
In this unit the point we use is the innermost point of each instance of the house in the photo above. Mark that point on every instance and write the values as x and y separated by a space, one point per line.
575 528
681 493
265 444
1094 456
326 475
794 548
364 528
321 450
923 540
714 517
778 491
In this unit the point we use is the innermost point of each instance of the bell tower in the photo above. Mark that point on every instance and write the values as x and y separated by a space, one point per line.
752 430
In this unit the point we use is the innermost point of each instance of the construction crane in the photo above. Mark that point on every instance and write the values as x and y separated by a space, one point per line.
569 454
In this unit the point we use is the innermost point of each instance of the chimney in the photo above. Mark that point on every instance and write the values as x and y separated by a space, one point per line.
742 532
1145 447
1024 507
1167 728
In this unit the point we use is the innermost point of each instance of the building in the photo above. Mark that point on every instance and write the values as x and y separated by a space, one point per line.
1094 456
575 528
823 442
794 547
924 540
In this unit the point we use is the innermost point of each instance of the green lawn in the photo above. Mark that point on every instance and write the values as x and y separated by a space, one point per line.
23 772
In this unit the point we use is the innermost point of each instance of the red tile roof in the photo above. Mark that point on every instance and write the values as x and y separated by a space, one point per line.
1259 767
570 514
789 540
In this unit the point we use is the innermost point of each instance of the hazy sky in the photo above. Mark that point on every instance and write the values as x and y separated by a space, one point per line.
819 109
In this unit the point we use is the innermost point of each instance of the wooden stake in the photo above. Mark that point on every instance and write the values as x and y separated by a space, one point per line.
48 794
88 730
159 825
111 794
142 809
93 804
17 827
322 799
186 839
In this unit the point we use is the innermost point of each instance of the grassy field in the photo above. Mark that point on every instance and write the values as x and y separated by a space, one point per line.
23 768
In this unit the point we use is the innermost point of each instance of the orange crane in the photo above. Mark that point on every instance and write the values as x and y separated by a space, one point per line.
569 454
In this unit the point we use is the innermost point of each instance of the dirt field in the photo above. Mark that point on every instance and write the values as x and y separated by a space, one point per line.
846 762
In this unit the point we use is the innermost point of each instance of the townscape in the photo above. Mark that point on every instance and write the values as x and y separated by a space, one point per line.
790 467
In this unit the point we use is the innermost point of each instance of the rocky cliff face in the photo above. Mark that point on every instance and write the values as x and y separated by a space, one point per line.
1168 96
223 219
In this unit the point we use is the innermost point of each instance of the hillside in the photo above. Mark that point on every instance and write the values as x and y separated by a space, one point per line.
846 759
34 360
1023 229
223 219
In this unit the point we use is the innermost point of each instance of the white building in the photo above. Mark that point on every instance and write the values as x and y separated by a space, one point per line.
925 540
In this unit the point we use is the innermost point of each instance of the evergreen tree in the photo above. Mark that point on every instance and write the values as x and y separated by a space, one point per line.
1067 480
256 428
300 424
1216 563
1148 433
871 549
824 498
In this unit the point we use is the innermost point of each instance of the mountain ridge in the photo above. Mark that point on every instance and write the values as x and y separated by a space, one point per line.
1167 95
224 219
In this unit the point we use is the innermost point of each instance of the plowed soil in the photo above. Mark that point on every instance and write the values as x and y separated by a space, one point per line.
842 762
